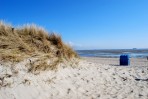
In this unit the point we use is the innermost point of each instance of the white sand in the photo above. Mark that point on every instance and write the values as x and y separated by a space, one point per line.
94 78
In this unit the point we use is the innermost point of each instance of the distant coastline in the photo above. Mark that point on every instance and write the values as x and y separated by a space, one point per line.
114 53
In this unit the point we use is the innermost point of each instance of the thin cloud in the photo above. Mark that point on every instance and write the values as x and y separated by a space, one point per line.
74 45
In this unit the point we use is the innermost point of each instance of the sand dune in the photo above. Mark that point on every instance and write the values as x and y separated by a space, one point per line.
91 78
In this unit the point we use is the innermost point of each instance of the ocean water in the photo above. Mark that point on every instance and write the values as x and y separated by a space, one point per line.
114 53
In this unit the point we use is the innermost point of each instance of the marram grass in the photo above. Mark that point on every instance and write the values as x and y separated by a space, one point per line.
17 44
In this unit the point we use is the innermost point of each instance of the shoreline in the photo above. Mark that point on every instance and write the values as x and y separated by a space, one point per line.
115 61
110 56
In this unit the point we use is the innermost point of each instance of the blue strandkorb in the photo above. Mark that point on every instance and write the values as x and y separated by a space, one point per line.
125 60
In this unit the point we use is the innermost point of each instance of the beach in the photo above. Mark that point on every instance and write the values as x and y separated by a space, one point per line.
90 78
74 49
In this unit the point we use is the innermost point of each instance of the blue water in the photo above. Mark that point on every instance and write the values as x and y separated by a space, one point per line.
115 53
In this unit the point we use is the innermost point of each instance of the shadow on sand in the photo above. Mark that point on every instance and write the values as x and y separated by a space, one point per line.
118 65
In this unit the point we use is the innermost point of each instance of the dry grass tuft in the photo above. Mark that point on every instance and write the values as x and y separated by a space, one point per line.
56 40
43 64
17 44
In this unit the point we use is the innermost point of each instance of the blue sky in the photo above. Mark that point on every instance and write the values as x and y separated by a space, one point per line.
85 24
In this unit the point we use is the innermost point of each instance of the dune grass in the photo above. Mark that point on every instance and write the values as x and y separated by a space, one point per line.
17 44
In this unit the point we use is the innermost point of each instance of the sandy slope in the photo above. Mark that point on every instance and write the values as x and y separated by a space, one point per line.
93 78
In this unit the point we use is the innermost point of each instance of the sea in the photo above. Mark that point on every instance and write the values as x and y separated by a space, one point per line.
114 53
